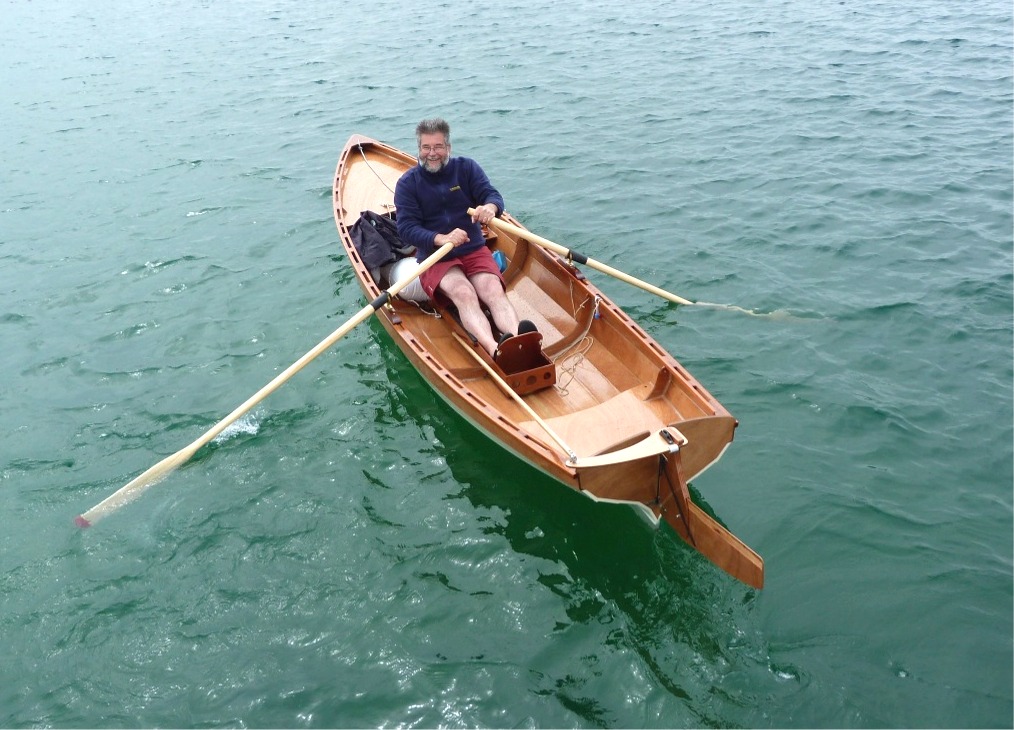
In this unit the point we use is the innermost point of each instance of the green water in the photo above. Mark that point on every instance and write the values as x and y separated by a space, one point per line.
353 554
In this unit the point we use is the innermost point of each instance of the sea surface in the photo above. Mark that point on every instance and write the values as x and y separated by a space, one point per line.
352 553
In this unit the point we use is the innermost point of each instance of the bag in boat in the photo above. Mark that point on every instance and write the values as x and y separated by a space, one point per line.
376 239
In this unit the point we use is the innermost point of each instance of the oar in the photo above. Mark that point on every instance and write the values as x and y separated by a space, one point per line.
163 468
606 269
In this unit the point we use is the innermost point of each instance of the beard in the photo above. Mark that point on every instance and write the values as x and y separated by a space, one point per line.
434 165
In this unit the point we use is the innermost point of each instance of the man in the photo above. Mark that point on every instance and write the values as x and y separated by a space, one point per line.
432 200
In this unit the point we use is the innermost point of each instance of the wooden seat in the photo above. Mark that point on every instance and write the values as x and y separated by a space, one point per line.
603 427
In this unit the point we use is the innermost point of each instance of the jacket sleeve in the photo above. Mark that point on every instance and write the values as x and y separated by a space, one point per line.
482 189
410 228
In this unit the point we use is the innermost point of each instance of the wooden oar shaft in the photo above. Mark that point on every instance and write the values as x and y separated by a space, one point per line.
582 259
159 471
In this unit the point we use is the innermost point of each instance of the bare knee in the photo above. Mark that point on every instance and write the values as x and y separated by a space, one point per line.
459 291
488 288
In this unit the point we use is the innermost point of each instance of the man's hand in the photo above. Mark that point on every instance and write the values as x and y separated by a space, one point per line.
484 213
457 237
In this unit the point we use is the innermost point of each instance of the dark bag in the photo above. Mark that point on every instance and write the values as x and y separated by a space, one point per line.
376 239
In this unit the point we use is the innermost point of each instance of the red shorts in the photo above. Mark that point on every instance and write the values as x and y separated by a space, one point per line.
476 262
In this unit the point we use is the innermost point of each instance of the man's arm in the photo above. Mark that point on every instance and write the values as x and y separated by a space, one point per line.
410 228
482 191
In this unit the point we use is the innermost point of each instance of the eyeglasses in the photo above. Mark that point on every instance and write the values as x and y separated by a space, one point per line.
427 148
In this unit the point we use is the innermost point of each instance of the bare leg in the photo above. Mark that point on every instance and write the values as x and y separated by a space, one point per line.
460 291
491 293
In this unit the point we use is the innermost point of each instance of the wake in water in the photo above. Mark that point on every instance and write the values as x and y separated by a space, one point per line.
247 425
778 314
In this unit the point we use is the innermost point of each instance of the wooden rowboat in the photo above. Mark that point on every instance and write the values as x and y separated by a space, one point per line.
613 416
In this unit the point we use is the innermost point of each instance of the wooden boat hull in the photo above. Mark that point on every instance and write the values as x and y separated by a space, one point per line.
624 422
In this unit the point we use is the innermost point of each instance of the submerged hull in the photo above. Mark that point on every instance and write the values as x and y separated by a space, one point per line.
624 422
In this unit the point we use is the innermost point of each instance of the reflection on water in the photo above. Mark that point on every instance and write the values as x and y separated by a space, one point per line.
641 588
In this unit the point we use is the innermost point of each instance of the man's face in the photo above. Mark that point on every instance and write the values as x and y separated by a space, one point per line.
433 151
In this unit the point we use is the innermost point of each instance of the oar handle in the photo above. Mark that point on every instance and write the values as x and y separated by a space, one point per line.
582 259
159 471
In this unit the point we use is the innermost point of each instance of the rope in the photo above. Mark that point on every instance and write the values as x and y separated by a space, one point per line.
570 371
382 181
584 342
428 312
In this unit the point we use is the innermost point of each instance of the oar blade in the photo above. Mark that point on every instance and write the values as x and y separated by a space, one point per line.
135 487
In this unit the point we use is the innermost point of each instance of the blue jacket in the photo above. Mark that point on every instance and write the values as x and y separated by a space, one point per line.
430 203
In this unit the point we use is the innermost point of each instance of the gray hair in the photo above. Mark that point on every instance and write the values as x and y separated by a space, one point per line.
433 126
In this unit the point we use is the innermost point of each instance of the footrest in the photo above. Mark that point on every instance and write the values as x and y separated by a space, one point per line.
523 365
